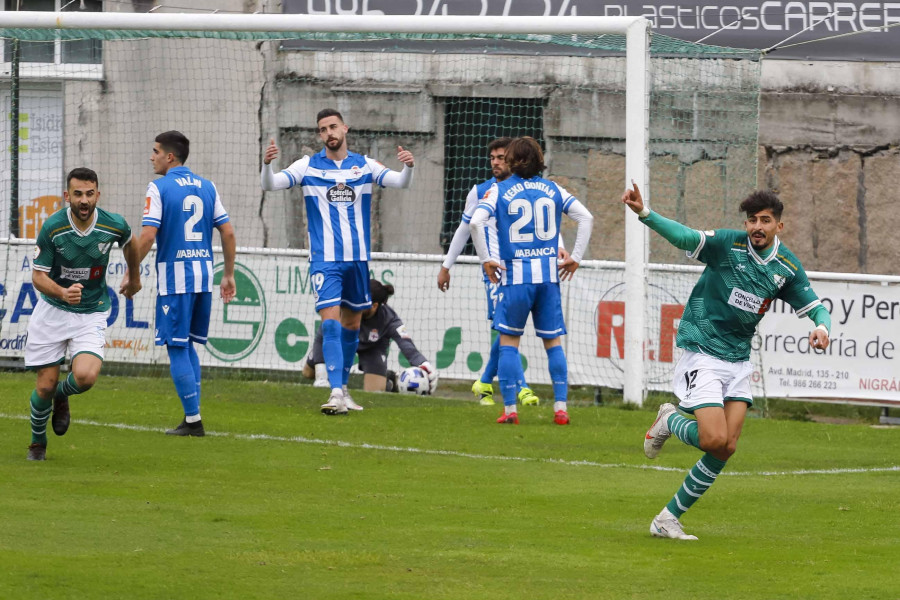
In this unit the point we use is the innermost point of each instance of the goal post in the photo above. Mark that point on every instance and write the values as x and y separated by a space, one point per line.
233 81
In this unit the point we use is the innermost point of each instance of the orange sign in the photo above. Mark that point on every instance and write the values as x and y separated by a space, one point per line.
33 213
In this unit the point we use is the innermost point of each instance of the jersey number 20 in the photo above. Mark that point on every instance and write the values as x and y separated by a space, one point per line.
542 214
192 204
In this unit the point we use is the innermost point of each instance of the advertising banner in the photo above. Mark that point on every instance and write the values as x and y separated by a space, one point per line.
271 325
808 30
40 159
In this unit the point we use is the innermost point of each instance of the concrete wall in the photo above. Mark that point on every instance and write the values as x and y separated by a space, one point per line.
830 145
829 139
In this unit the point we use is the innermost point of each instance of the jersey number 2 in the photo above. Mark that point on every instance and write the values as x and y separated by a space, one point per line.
194 205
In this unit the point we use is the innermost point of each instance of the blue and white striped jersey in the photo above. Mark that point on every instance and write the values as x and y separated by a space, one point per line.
185 208
478 193
338 203
528 214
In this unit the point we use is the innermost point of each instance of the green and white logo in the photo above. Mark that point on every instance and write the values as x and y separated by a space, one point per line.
243 319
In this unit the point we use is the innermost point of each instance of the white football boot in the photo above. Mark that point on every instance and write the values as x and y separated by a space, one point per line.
659 432
348 400
667 525
335 404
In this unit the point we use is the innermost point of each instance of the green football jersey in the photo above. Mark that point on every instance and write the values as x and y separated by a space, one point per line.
735 291
71 256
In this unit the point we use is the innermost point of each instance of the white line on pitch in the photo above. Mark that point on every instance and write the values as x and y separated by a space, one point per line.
454 453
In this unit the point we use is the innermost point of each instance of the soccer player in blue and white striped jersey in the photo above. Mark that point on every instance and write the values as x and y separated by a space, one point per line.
181 211
528 210
337 186
483 386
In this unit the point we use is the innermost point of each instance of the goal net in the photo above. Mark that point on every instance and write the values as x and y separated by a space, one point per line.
98 97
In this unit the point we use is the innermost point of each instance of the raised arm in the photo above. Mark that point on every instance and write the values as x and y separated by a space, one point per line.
680 236
394 179
270 181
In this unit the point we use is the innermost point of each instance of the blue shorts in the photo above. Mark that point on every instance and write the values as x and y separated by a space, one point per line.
344 283
181 318
542 300
492 291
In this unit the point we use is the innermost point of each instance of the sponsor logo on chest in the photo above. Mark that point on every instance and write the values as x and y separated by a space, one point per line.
81 274
340 193
748 302
193 253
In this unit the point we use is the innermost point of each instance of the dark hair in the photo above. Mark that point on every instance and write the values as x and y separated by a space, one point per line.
328 112
176 143
762 200
380 291
500 142
524 157
82 174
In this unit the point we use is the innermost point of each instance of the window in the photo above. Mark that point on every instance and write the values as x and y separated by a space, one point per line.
55 59
469 126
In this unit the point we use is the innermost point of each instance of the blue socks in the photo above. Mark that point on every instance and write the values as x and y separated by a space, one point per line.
490 369
349 344
180 365
509 367
493 366
195 367
333 352
559 373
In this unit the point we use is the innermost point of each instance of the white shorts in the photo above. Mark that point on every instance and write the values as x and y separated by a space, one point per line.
702 381
52 331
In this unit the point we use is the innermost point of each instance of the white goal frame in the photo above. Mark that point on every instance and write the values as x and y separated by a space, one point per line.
637 99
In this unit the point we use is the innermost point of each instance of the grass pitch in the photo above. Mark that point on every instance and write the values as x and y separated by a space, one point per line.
426 499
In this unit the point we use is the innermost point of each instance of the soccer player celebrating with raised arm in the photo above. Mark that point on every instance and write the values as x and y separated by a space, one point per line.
337 185
528 210
69 270
181 211
483 388
745 271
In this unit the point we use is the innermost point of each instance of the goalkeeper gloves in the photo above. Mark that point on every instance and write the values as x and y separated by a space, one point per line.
432 376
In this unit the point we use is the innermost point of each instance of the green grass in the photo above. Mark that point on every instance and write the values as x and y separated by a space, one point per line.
134 514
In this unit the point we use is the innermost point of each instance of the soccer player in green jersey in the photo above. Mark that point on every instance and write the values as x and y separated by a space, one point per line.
745 271
69 270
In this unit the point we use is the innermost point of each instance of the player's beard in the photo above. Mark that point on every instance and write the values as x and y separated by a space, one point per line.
84 212
759 243
334 143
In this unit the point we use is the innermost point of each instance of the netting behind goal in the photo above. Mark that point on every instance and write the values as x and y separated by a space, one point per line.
98 98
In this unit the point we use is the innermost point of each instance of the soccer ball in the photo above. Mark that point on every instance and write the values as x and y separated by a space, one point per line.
414 381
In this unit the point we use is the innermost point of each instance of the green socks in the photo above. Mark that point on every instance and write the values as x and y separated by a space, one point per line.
684 429
698 480
68 387
40 414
